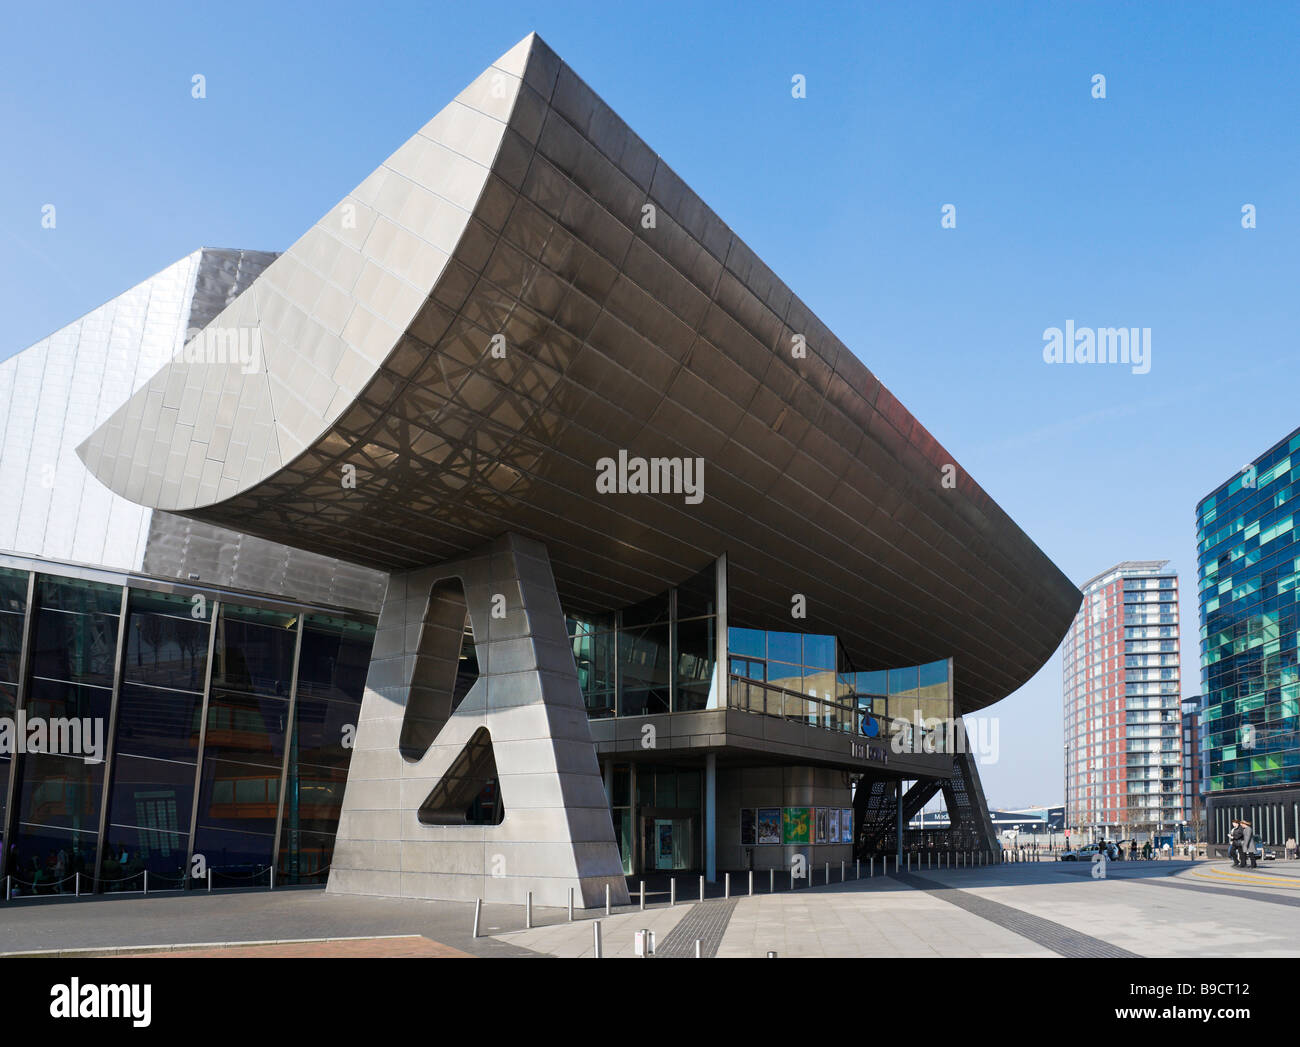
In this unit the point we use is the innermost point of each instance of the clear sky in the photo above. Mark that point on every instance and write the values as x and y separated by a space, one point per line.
1122 212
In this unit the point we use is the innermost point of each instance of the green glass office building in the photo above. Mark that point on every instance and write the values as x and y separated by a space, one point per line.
1248 569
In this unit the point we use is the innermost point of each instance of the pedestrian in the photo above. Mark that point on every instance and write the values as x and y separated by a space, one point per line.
1247 844
1290 847
1146 851
1132 850
1234 842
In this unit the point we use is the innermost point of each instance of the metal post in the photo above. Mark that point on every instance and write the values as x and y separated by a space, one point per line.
8 888
209 879
77 883
771 954
873 865
701 888
595 938
842 870
272 877
642 899
771 881
478 913
672 891
570 904
828 873
751 883
857 868
607 910
792 877
726 891
528 910
699 948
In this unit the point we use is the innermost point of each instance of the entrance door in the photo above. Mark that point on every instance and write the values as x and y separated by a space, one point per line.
668 843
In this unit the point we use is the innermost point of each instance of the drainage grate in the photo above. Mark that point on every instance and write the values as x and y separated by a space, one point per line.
1062 940
706 920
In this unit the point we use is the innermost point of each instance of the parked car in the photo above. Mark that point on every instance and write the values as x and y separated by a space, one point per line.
1084 854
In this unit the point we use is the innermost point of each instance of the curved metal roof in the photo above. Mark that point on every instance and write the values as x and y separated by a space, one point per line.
633 320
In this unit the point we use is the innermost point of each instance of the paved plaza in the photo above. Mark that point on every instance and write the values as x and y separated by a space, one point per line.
1185 909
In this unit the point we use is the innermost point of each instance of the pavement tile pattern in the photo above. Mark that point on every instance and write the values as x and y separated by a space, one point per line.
706 921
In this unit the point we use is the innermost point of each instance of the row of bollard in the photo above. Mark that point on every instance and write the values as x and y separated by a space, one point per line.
962 859
76 878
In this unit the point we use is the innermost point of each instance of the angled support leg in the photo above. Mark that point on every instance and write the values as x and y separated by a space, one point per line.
423 751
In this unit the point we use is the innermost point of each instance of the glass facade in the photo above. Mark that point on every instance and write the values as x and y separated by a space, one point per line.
1248 570
211 733
660 656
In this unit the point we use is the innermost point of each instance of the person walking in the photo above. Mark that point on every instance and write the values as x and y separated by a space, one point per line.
1234 843
1290 847
1247 844
1146 851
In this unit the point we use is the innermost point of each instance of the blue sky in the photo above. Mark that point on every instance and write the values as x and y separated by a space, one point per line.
1117 212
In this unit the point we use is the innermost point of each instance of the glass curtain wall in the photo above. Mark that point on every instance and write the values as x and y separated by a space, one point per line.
153 728
657 656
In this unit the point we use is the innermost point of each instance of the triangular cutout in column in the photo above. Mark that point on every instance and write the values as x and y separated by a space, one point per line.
469 793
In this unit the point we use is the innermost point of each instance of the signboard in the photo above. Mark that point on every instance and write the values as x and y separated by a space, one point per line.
769 825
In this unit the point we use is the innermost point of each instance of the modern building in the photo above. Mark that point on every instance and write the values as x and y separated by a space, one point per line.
210 668
1122 687
670 580
1248 567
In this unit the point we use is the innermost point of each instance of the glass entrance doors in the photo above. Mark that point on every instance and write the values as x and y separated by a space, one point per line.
668 841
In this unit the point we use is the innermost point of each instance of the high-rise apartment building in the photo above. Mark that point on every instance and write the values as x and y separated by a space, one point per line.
1123 758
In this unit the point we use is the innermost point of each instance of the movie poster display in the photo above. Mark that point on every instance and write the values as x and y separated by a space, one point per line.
846 825
796 825
769 825
822 822
833 832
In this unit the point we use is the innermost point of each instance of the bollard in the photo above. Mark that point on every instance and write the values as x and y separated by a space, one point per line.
701 888
771 955
77 885
528 911
873 865
606 901
699 948
857 868
792 877
842 873
570 904
726 891
642 904
8 889
478 914
751 883
209 879
273 877
595 937
828 873
146 881
771 881
672 892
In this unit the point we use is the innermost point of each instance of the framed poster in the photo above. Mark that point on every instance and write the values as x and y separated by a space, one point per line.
822 822
748 834
846 825
796 825
833 833
769 825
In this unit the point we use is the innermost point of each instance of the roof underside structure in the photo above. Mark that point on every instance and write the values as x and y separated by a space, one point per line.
632 319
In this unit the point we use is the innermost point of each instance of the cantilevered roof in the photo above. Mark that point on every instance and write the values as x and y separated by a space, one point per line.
377 424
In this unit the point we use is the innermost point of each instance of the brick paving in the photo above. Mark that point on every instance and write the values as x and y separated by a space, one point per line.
411 946
706 921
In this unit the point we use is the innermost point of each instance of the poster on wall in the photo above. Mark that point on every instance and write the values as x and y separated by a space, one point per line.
665 845
748 836
823 823
769 825
796 825
833 833
846 825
